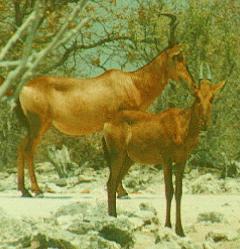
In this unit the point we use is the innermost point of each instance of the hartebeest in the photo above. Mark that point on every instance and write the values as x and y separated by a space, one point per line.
82 106
167 138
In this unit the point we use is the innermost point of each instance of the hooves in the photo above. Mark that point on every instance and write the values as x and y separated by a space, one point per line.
123 196
180 232
39 195
113 214
27 194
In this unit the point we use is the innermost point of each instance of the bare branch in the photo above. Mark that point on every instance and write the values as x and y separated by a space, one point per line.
17 35
30 61
57 41
9 63
21 68
76 47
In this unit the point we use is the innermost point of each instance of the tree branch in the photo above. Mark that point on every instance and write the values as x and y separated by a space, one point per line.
17 35
60 38
30 59
76 47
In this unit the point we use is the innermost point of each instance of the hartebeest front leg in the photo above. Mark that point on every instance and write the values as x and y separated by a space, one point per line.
113 183
167 168
178 197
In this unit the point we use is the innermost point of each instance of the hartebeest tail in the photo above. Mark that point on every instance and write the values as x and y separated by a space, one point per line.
166 138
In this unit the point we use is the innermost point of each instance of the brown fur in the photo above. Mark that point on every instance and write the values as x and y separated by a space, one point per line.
82 106
168 137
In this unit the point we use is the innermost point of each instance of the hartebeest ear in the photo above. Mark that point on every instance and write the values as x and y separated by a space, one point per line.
175 50
218 86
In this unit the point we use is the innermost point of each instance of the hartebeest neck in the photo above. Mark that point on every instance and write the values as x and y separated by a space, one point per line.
151 79
195 120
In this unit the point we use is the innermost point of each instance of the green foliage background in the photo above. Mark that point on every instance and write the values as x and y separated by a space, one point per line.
207 29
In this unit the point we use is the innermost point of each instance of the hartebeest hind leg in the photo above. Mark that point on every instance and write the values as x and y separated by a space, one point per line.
121 191
127 163
178 197
21 163
37 128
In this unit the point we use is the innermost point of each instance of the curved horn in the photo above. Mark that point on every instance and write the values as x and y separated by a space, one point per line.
173 24
209 74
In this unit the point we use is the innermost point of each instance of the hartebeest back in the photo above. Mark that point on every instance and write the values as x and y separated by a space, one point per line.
166 138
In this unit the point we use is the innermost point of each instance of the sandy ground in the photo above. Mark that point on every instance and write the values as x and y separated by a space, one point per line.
192 206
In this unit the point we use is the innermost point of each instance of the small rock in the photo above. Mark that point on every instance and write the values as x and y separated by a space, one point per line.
118 235
94 241
84 179
80 227
42 241
52 188
205 184
208 245
147 207
216 236
11 170
44 167
61 182
167 238
73 181
47 189
212 217
85 191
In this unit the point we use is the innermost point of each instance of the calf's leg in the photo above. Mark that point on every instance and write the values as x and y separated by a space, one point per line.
122 193
178 197
167 169
120 189
113 182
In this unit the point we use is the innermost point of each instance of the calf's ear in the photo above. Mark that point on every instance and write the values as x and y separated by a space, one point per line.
218 86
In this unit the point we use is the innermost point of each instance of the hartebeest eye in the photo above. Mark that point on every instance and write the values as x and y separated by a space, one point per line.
178 57
198 99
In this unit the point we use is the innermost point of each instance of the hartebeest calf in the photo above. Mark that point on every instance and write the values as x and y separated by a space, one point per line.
167 138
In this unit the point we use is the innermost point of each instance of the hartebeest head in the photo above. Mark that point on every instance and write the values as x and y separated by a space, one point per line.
204 94
176 65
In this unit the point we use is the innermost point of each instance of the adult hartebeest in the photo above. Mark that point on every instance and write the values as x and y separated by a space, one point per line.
82 106
166 138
